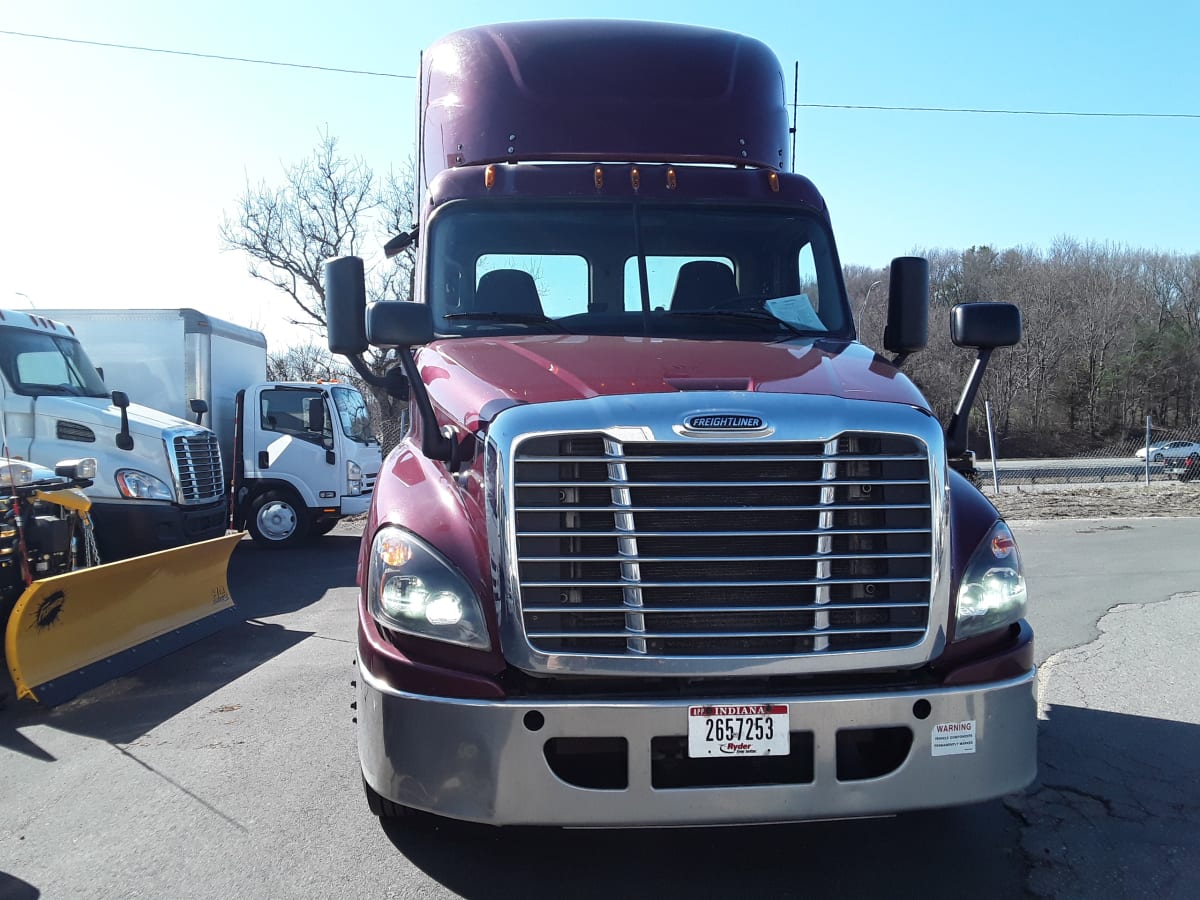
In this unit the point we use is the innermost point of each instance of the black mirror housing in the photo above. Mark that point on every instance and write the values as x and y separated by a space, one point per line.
345 305
907 328
985 325
399 323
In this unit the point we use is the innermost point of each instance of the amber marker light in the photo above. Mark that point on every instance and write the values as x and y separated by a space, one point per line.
635 178
598 177
393 551
489 177
671 179
773 178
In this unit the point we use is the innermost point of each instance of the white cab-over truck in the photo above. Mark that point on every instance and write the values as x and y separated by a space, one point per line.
299 455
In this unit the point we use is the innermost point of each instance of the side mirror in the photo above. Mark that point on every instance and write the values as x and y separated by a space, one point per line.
398 323
199 407
907 328
345 304
985 325
124 439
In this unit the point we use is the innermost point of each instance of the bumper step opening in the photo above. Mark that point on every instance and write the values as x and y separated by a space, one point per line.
597 763
864 753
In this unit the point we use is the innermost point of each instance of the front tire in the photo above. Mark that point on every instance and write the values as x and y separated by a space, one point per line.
385 810
278 520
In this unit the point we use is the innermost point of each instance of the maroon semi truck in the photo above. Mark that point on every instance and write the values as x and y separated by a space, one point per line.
664 544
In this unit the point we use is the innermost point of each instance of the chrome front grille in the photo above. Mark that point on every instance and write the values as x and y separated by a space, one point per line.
196 461
651 549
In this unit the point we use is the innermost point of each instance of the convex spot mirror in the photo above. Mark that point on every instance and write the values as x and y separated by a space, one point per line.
985 325
399 323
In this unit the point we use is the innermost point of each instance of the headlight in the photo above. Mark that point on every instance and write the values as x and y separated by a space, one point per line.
353 478
414 589
992 593
15 472
142 486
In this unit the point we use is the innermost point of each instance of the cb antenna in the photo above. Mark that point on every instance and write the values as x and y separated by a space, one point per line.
795 110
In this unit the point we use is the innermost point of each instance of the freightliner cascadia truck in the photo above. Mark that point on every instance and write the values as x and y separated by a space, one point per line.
665 543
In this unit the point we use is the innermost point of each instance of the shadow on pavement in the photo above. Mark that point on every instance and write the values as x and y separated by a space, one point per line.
929 855
13 888
263 583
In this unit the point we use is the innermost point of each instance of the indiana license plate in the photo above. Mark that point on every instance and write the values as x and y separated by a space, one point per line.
754 729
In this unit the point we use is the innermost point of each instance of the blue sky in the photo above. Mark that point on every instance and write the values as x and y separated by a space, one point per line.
119 165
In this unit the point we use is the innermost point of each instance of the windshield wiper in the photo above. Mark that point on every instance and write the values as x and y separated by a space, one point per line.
507 318
758 315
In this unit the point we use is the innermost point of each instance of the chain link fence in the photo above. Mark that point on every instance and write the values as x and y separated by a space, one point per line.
1164 458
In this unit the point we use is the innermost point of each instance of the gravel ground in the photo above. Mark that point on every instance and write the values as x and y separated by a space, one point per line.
1170 498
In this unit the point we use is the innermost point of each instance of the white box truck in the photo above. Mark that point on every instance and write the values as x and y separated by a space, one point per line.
299 455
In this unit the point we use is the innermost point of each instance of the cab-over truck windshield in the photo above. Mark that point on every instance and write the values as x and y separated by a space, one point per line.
713 272
37 364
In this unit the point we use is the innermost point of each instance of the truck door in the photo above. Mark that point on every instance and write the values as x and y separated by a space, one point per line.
285 445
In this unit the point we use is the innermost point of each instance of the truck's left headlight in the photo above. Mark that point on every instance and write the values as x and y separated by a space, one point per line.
992 592
353 478
414 589
138 485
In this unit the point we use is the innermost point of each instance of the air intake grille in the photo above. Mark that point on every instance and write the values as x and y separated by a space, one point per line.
197 461
723 549
73 431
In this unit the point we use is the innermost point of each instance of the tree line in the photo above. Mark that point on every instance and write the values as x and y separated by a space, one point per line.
1111 336
1111 333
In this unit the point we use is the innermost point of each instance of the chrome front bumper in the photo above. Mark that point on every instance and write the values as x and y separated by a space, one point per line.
482 761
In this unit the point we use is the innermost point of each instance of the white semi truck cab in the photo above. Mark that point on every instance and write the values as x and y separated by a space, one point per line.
159 481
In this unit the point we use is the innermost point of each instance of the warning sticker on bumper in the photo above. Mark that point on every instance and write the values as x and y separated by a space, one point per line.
952 738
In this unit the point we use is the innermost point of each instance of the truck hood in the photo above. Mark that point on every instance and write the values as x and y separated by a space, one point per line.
473 379
99 414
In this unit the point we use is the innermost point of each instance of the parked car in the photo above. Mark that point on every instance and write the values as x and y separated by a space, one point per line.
1159 452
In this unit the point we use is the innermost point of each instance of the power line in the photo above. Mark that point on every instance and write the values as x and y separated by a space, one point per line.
1004 112
849 106
242 59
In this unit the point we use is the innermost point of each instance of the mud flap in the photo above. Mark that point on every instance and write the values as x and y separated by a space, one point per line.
69 633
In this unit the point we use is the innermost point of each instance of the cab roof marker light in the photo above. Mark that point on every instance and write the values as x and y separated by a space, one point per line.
489 177
671 184
635 178
773 179
598 177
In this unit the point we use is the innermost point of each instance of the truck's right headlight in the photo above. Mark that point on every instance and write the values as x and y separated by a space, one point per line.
992 592
354 479
138 485
412 588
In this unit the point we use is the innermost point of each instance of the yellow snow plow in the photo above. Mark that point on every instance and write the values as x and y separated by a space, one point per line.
70 627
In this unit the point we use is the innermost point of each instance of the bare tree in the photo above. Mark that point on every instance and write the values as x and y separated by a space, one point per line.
306 362
328 205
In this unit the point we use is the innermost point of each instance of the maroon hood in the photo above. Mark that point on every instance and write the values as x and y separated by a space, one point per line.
472 379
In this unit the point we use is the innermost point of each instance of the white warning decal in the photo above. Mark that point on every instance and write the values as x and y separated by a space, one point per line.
952 738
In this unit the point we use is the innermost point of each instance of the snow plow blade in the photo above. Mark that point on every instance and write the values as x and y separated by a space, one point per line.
69 633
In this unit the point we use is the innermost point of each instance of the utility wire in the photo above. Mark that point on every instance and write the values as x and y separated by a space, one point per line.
242 59
851 106
1005 112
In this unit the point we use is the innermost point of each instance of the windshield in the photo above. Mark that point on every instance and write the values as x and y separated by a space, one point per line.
712 272
352 411
37 364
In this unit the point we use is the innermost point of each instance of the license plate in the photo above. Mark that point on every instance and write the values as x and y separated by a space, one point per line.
755 729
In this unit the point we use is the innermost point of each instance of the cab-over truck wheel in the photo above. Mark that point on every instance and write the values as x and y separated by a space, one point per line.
278 519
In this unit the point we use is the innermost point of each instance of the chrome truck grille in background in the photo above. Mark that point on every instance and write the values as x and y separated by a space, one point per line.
196 464
717 549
